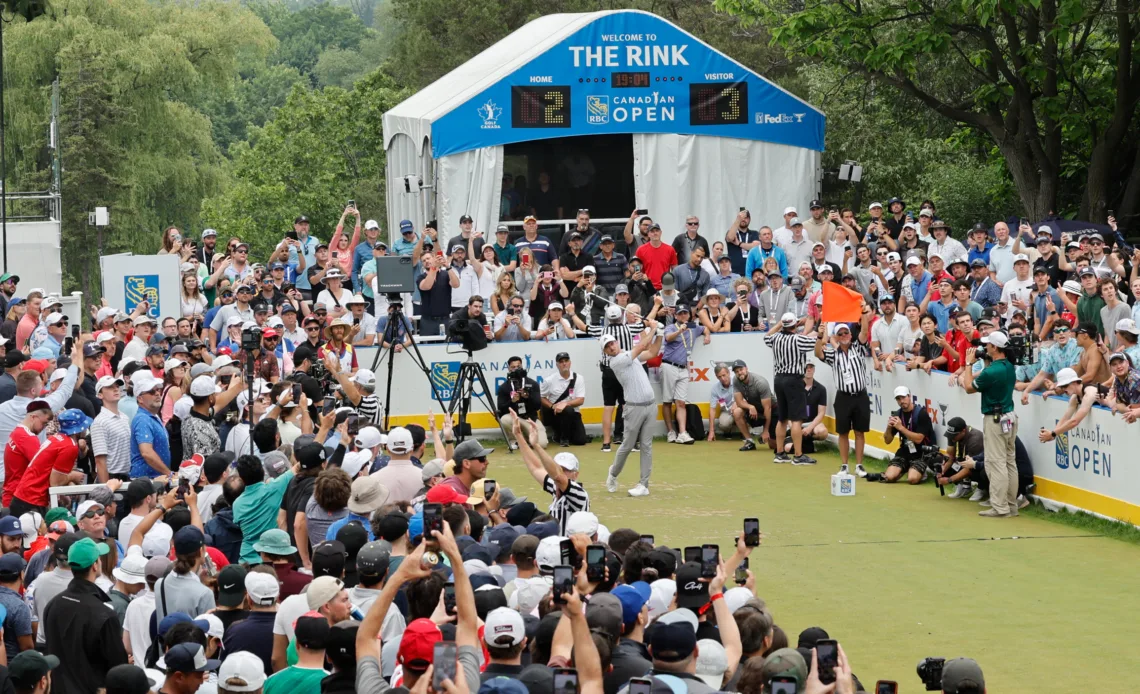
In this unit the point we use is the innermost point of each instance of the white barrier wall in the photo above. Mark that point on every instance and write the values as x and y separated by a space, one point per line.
1086 469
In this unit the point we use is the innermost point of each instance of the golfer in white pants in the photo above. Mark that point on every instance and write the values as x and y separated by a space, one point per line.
639 411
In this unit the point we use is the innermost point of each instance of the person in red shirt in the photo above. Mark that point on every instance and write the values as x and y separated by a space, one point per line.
53 466
23 444
959 339
657 258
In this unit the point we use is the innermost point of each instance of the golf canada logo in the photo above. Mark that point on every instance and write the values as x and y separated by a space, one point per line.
490 113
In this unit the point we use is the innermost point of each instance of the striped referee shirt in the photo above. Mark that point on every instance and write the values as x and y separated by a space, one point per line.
789 352
849 367
566 504
624 333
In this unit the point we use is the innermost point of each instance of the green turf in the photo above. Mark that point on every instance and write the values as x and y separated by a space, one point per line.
896 573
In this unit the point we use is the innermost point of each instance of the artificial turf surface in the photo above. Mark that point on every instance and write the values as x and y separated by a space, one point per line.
896 573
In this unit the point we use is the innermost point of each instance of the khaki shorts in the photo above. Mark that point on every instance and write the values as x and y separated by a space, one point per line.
674 382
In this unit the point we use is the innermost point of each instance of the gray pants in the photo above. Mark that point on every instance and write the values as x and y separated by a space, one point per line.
638 420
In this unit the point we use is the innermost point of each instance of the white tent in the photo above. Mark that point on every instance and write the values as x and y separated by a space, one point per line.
746 142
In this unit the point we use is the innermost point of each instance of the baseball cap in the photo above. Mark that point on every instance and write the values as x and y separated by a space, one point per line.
311 455
785 662
329 559
632 597
418 643
582 523
962 673
231 586
399 440
955 426
11 527
83 553
692 593
470 449
788 319
241 671
605 612
263 589
189 657
440 494
368 437
902 392
321 590
997 338
504 627
1117 355
1127 325
432 468
189 540
712 662
11 564
127 679
372 559
672 642
1086 272
311 631
29 666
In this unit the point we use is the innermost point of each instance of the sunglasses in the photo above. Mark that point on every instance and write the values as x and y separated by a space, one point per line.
481 459
271 339
583 210
1057 331
692 224
93 513
311 328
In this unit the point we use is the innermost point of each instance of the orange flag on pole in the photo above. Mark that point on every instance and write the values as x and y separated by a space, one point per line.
840 304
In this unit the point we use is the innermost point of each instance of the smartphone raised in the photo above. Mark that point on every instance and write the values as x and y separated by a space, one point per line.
742 208
640 685
886 687
692 554
449 597
648 539
328 404
568 554
291 235
710 559
183 488
352 204
335 254
433 519
741 576
827 658
563 583
782 685
596 563
488 488
444 663
641 213
296 393
565 680
75 330
751 532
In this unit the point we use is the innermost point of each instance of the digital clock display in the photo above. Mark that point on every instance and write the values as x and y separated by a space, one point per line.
540 107
620 80
718 103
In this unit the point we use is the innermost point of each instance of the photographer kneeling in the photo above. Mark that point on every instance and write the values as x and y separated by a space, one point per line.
523 395
917 452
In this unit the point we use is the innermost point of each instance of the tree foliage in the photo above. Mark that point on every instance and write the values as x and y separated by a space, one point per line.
1052 85
323 148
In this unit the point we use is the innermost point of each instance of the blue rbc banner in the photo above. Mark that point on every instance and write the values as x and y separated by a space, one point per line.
140 288
628 72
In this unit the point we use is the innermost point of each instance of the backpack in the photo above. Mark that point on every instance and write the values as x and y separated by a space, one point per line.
695 422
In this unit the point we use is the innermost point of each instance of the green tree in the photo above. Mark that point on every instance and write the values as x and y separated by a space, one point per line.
130 138
251 103
342 67
305 34
323 148
1053 85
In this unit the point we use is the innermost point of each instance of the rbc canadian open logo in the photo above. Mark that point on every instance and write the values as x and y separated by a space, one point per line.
140 288
443 376
597 110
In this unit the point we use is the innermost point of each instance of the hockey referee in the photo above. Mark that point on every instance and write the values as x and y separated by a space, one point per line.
789 357
847 358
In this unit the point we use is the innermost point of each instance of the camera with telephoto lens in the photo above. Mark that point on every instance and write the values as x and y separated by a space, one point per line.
250 339
1017 349
930 672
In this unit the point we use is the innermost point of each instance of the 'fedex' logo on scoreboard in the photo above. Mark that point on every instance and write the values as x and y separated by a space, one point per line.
779 118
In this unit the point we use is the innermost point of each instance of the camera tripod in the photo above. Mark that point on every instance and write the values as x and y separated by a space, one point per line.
397 314
470 375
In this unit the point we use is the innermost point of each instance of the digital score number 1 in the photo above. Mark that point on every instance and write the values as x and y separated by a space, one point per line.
540 107
715 103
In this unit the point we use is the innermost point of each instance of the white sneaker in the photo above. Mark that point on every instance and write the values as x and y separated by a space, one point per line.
985 504
684 437
611 484
843 469
978 495
1022 502
671 437
639 490
860 470
963 489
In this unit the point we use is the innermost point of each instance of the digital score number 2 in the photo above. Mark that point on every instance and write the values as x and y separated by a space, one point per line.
718 103
540 107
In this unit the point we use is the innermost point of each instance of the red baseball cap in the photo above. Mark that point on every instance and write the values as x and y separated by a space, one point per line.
416 647
37 365
269 332
443 494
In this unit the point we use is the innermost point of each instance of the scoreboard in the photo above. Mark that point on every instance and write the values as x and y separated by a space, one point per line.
710 103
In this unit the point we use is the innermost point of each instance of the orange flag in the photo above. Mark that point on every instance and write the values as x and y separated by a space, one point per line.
840 304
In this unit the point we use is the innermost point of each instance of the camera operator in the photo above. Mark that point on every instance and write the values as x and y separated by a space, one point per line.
999 425
916 453
265 364
243 294
563 392
470 323
512 324
523 395
1125 394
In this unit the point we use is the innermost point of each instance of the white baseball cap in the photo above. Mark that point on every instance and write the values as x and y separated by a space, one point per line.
504 627
607 339
203 386
997 338
789 210
1020 258
263 589
105 313
549 552
1127 325
788 319
105 336
399 440
582 523
1065 376
913 260
234 320
372 224
54 318
874 205
712 663
223 360
86 506
567 461
57 375
369 437
144 382
902 392
242 671
613 313
365 377
107 382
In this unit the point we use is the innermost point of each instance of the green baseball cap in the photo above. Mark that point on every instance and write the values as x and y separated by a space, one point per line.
29 666
85 553
785 662
59 513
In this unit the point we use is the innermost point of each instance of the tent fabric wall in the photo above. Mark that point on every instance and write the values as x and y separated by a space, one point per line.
469 183
712 177
407 156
